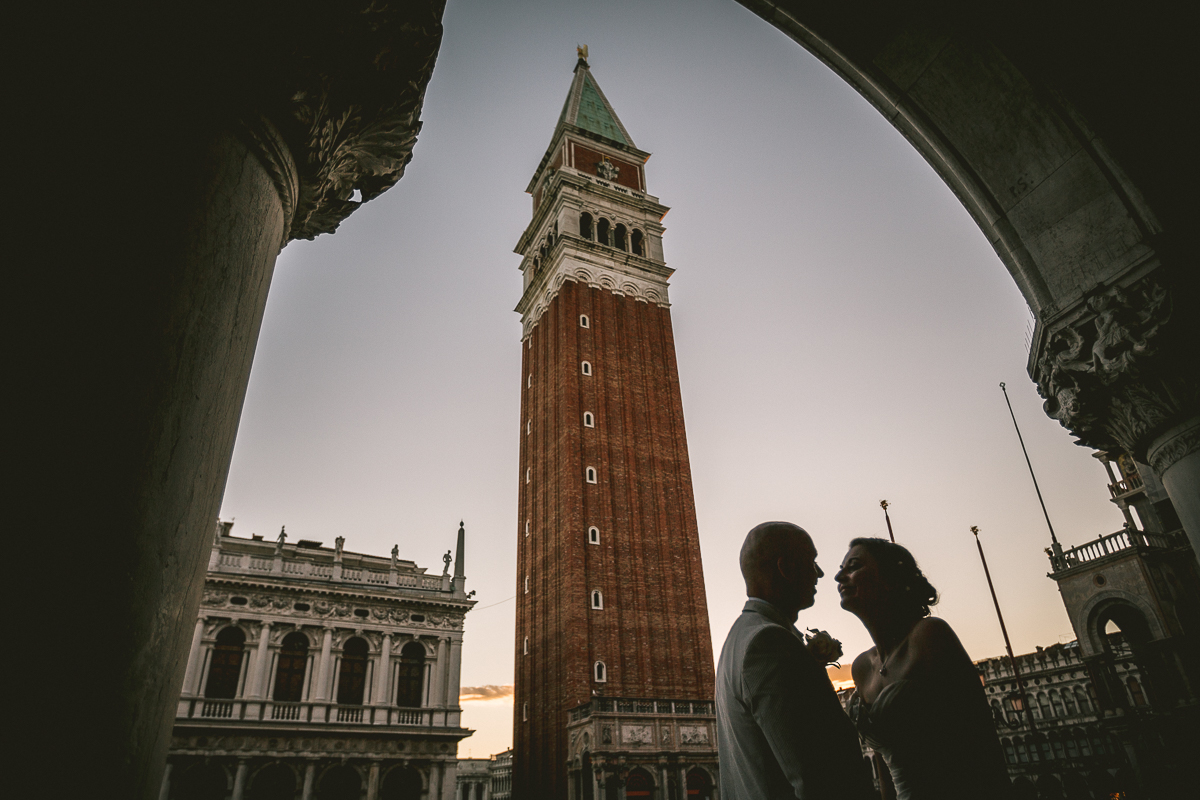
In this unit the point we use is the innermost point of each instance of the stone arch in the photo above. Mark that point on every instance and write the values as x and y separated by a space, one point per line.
340 782
700 782
202 780
274 781
1097 612
1037 130
402 783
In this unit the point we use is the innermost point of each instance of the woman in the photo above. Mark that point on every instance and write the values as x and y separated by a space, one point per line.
918 699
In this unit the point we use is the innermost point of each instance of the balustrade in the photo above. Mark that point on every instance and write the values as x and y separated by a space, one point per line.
1113 543
313 713
630 705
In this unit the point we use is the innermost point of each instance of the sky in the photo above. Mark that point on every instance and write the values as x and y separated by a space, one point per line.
841 328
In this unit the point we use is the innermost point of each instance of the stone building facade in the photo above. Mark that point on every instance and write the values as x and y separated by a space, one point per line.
501 775
614 668
474 779
315 672
1067 750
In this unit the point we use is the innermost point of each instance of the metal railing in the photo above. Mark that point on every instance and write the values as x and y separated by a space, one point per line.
640 705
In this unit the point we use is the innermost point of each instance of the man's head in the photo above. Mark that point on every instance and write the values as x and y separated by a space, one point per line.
779 564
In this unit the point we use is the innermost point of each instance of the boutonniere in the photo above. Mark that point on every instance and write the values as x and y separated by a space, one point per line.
823 647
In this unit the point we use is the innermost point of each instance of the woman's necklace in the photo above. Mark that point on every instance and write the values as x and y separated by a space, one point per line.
883 667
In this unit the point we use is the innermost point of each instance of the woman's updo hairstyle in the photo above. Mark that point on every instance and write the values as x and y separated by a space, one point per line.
899 569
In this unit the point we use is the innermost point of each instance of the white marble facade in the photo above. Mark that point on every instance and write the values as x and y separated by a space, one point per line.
316 673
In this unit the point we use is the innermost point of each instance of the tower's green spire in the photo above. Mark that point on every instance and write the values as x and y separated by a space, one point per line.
588 109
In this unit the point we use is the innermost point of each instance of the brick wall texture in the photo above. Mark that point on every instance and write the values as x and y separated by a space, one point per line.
652 633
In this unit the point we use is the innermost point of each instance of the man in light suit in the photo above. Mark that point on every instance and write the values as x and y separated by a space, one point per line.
781 731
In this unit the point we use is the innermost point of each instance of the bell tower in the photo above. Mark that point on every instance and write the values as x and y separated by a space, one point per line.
614 666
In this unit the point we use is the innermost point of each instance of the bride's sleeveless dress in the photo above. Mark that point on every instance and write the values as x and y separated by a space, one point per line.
939 743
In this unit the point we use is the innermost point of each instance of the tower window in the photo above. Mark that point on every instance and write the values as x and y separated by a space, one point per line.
527 473
528 381
601 672
594 535
589 421
585 225
620 237
584 322
591 474
586 367
528 427
525 712
526 584
639 243
526 527
603 232
526 645
597 599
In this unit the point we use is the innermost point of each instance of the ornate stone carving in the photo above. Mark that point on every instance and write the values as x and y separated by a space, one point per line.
1115 377
637 734
693 734
350 103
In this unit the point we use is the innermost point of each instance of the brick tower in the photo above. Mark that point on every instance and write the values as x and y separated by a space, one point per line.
614 668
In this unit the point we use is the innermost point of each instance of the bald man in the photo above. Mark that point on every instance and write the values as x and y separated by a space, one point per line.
781 731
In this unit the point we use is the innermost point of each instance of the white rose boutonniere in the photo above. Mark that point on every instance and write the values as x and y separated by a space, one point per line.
823 647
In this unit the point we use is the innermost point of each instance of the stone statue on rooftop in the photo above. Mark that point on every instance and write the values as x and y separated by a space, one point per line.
446 559
582 52
337 547
282 538
395 555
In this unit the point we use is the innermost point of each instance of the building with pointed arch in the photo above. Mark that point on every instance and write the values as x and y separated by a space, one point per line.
316 672
614 664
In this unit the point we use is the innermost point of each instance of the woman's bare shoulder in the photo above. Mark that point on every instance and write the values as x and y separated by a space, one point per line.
861 667
935 643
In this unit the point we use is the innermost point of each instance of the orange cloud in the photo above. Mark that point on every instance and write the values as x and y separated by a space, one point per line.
840 677
490 692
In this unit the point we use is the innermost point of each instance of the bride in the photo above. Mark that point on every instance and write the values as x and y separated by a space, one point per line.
918 699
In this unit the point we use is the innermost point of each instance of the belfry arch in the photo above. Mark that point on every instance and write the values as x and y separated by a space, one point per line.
1063 132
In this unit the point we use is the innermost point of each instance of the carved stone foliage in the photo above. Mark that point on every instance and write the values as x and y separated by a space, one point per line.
1118 376
327 608
693 734
345 83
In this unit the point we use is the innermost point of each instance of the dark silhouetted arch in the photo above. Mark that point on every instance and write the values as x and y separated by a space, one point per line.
411 669
225 668
289 673
352 673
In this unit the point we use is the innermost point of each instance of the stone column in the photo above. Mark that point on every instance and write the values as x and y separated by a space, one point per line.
239 780
383 679
683 782
322 693
310 775
262 659
192 676
373 781
437 692
452 687
165 790
435 781
665 791
1175 457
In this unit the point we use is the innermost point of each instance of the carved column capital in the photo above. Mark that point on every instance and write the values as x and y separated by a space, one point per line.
1117 373
346 89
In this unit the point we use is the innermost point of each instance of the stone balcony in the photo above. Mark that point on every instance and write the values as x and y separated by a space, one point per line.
314 713
1127 541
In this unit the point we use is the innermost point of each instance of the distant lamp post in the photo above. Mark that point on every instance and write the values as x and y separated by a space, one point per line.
1017 699
884 505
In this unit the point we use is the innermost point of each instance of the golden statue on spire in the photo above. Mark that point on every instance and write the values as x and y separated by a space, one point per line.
582 52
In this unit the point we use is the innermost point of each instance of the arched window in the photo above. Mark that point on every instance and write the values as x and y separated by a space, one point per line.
273 782
1010 752
597 599
699 784
586 368
620 237
1022 753
526 650
528 427
1135 691
585 225
411 676
225 667
1044 705
340 783
527 474
584 322
352 673
603 232
1085 707
591 475
289 674
1072 748
1059 750
1068 697
1084 748
639 243
526 584
638 784
594 535
526 527
589 421
600 671
403 783
1056 700
525 712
